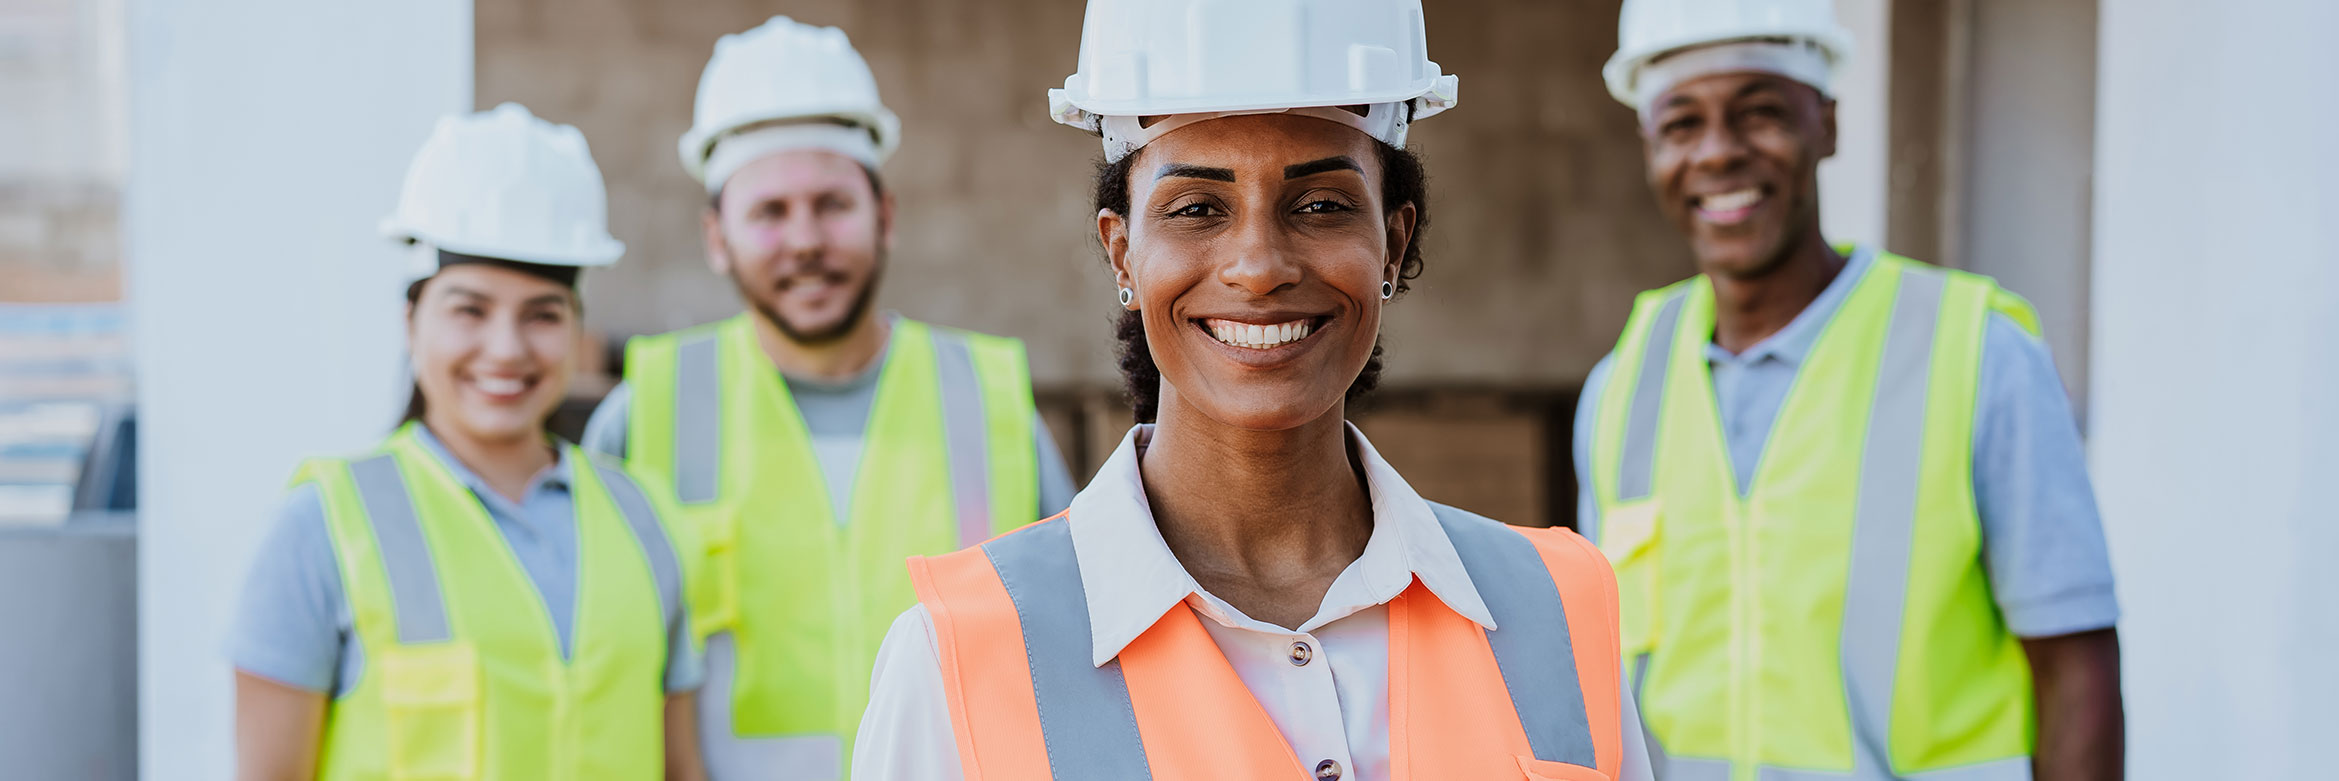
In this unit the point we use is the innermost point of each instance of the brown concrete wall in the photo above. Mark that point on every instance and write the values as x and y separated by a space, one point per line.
1543 229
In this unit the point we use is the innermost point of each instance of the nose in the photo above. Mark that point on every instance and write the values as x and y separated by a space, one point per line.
502 343
1261 262
1719 148
799 235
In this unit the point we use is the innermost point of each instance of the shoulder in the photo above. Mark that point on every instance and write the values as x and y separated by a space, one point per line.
976 339
1556 545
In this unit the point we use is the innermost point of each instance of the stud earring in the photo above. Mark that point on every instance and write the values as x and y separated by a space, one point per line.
1388 290
1127 296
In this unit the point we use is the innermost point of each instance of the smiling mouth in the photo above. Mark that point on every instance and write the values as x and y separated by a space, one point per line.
1728 208
503 388
1256 336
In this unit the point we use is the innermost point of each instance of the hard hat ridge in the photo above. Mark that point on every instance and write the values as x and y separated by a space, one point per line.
1203 59
503 184
1662 43
785 72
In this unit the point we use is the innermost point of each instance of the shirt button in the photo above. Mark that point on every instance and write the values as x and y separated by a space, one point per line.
1328 769
1300 654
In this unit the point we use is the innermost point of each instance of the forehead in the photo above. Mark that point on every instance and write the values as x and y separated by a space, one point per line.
476 279
795 171
1730 85
1254 146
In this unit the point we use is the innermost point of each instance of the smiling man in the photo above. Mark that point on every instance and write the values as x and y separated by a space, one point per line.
814 442
1843 489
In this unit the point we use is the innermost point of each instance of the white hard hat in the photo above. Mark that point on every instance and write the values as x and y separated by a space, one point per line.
1141 58
503 184
1648 30
787 72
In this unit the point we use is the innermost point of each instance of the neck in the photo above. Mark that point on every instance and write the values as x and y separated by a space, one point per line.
1263 519
1748 310
506 464
837 359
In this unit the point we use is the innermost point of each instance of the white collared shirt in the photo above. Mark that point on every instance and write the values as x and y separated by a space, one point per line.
1335 709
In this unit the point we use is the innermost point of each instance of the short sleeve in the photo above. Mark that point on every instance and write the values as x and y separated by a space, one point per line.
292 621
1587 415
906 734
605 431
2042 537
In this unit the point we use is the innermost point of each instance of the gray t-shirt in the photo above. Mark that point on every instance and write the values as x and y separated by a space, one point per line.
293 623
836 414
2042 540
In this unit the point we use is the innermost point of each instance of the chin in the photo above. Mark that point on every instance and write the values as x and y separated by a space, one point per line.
504 428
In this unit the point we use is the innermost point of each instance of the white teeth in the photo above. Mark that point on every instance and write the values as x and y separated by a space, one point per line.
1731 201
1257 336
500 386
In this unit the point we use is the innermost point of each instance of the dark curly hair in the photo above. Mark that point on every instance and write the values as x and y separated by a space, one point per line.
1403 180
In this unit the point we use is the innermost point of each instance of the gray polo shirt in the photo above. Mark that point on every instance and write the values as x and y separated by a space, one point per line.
293 623
2042 540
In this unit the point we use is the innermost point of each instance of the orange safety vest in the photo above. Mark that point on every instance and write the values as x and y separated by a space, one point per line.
1535 699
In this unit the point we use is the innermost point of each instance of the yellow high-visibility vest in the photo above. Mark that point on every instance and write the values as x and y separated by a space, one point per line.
463 674
1834 621
949 460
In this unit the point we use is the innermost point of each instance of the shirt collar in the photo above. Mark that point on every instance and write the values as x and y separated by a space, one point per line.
1130 577
556 477
1792 343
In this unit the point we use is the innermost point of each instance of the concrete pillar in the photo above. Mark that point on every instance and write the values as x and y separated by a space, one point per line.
1855 181
2215 440
267 139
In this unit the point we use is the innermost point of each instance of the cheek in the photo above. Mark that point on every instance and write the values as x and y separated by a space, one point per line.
437 348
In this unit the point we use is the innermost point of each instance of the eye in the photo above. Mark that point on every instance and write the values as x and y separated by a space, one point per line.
1323 206
546 316
831 204
1195 209
470 310
1676 126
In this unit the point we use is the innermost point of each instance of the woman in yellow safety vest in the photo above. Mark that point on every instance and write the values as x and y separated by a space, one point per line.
474 598
1247 590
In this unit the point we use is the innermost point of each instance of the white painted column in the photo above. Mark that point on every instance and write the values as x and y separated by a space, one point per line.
2215 370
267 139
1856 182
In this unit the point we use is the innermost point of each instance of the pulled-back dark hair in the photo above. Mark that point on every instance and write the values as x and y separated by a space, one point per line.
1403 181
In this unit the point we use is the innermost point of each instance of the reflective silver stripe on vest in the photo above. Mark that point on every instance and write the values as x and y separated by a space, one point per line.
414 577
698 419
1530 641
1086 718
664 567
1884 518
966 434
1636 476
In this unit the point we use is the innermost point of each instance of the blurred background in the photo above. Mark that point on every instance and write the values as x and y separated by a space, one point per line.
193 294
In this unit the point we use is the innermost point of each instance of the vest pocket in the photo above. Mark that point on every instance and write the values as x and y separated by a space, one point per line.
714 599
1545 770
431 695
1628 529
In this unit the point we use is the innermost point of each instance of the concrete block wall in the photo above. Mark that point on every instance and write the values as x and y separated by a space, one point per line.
1543 228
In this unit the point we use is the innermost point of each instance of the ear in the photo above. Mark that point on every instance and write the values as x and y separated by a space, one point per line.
1399 226
1112 231
718 251
1826 127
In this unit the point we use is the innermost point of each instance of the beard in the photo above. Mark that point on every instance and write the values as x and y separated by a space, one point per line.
805 335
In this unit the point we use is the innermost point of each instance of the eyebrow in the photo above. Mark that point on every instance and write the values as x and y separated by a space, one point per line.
1339 163
548 298
1194 172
